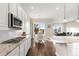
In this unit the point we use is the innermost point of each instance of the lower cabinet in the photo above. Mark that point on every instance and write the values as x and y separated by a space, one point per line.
26 50
22 49
15 52
28 42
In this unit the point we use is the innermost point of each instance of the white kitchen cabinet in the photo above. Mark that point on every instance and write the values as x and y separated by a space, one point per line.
15 52
75 49
27 25
28 41
23 20
13 8
70 49
21 15
26 46
20 12
22 49
3 16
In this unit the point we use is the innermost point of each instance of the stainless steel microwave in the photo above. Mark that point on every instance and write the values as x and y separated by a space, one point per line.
14 22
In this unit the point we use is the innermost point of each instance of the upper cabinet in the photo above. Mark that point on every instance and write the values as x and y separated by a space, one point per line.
4 9
24 18
21 15
3 16
27 25
13 8
16 10
19 11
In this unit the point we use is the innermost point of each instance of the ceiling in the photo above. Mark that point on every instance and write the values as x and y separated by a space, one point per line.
52 12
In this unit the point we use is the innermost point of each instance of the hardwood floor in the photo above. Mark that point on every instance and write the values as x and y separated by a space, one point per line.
45 48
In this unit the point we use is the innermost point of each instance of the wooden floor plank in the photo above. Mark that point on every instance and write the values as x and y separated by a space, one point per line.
42 49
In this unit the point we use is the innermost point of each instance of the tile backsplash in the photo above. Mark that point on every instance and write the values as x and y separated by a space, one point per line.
8 34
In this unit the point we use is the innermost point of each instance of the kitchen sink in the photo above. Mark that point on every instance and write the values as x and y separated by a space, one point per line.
12 41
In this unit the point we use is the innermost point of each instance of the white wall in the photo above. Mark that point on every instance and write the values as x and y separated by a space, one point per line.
72 26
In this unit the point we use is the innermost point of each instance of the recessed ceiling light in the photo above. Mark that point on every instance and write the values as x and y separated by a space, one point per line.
78 20
65 20
57 8
32 7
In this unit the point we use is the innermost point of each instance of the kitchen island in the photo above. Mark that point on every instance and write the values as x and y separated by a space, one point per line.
67 45
66 39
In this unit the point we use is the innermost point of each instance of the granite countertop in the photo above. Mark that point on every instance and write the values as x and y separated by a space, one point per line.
66 39
5 49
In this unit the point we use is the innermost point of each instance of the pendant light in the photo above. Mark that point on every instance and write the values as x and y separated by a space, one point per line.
64 13
78 14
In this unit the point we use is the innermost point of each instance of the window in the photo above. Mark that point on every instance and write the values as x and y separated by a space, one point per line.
39 27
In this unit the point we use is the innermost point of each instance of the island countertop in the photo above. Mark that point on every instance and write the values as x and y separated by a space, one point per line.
65 39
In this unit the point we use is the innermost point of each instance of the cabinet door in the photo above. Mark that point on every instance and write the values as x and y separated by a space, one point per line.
15 52
26 46
13 8
27 25
4 15
22 49
28 41
24 20
76 49
19 12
